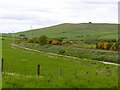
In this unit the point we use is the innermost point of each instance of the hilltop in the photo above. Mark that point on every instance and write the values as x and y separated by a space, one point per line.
79 31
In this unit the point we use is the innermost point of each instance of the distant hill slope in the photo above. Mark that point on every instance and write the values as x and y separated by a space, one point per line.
76 31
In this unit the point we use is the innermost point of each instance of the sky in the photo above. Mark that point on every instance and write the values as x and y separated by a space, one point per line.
21 15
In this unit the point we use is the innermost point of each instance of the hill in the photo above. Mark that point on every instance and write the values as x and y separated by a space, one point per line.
76 31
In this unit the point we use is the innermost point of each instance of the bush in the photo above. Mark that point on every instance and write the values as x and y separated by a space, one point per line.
30 41
17 41
61 52
42 40
115 46
49 41
25 38
59 39
2 38
108 46
35 40
56 42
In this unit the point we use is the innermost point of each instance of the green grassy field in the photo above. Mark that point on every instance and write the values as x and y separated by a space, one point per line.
20 66
20 70
78 32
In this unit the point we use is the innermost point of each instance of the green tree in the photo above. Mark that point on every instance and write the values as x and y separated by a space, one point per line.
42 40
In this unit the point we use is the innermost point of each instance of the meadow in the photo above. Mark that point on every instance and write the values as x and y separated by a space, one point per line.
20 70
77 67
76 32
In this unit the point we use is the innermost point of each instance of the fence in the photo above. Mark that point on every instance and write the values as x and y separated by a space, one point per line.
59 73
39 69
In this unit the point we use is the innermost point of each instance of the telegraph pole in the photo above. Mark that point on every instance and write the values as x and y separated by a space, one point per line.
30 27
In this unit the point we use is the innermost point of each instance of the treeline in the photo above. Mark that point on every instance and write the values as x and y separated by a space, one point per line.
108 46
42 40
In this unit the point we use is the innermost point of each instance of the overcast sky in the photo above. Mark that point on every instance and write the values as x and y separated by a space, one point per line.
20 15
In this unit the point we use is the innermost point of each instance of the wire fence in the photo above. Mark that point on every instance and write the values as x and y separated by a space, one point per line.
41 73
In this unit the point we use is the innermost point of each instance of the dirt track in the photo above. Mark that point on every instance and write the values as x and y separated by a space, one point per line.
13 45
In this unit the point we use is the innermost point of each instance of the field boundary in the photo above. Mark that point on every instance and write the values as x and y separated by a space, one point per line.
28 49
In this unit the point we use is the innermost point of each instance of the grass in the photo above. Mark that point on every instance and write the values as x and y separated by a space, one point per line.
22 63
78 32
20 66
99 55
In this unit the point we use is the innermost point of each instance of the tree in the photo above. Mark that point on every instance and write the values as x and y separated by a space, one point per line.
42 40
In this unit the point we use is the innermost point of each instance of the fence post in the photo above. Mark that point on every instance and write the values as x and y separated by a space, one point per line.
60 72
75 72
96 73
2 65
38 70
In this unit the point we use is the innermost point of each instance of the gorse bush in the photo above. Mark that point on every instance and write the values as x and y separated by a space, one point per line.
108 46
56 42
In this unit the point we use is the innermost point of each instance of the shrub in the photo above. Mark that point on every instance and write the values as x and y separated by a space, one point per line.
108 46
17 41
49 41
30 41
59 39
61 52
2 38
115 46
23 38
42 40
35 40
56 42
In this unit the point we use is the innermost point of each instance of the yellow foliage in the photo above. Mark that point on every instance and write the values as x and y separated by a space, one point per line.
55 42
104 45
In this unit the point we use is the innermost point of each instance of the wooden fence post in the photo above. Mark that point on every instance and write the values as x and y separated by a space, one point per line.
60 72
2 65
96 73
75 72
38 70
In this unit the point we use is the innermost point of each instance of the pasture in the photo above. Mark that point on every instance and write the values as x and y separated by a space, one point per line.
20 70
79 32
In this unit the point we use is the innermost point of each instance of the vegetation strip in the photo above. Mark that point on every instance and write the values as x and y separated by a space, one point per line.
59 55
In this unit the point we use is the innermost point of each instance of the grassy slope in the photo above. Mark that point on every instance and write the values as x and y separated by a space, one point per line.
74 31
25 63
